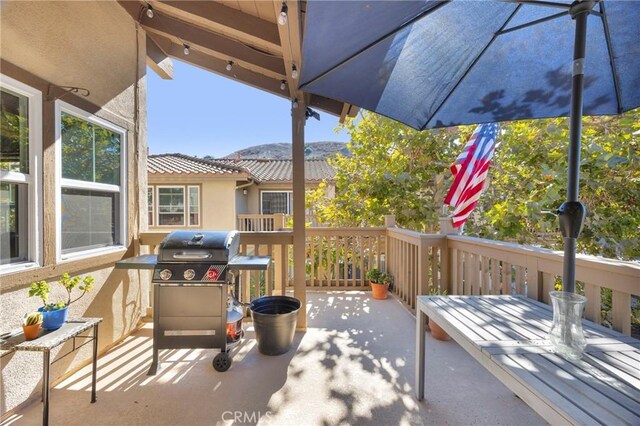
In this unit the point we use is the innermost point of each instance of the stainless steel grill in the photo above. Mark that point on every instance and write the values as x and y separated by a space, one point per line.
195 280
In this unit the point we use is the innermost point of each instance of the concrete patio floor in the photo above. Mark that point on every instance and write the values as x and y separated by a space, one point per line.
354 365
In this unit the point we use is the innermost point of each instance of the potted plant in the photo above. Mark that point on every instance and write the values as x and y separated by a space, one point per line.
380 282
436 331
31 325
54 314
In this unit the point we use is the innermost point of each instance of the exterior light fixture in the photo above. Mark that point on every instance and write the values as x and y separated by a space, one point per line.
149 11
294 71
282 17
229 65
186 49
283 84
294 105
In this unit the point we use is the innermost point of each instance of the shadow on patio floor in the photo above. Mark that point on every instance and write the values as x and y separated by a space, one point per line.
354 365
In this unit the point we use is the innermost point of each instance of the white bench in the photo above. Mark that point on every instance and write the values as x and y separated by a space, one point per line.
508 336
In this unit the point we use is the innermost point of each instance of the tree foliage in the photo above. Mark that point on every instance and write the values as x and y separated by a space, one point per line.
396 170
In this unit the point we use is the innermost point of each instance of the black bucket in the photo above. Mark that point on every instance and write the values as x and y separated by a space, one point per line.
274 320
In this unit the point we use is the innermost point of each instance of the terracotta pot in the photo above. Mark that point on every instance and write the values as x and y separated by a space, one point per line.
437 332
379 291
31 331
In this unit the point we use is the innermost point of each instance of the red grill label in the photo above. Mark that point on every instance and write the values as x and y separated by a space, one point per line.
214 272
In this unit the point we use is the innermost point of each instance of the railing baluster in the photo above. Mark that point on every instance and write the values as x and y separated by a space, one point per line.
495 276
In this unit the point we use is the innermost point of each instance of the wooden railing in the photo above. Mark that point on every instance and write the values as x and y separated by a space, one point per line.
261 222
338 259
480 266
417 262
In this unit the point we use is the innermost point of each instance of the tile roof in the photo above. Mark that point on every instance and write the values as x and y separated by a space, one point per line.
282 170
185 164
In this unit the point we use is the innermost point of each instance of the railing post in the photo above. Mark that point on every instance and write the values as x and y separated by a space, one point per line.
423 268
448 266
389 221
278 221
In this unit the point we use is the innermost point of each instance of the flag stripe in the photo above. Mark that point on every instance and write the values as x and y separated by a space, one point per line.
470 171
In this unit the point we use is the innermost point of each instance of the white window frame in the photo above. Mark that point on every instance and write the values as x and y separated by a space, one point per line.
188 196
152 206
33 179
157 205
289 198
61 183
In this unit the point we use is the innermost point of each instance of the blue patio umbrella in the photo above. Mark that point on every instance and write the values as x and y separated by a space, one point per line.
434 64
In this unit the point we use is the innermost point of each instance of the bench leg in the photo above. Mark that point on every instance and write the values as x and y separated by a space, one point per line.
421 319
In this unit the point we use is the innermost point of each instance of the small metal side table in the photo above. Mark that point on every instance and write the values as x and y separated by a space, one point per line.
49 340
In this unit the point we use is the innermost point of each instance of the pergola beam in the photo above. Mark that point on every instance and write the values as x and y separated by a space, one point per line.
242 25
231 50
218 66
158 61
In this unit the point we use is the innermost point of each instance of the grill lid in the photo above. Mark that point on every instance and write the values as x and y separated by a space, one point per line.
199 246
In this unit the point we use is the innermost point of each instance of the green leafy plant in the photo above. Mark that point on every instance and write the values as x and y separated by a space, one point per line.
42 289
33 318
435 291
376 276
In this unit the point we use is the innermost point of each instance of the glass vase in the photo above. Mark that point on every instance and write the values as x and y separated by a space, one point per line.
566 334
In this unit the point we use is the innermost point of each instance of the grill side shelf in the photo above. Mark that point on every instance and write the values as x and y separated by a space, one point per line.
145 261
250 263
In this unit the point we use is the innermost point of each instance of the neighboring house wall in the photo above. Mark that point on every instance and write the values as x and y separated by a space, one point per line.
92 45
217 209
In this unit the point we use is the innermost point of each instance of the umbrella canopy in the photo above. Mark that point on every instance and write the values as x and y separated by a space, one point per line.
434 64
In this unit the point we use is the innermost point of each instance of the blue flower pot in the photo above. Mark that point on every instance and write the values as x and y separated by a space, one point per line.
53 320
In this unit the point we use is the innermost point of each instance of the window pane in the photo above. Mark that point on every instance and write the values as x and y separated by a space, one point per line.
14 132
275 202
170 206
89 219
89 152
194 205
150 204
14 237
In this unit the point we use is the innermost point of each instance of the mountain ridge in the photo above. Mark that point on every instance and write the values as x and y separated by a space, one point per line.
282 151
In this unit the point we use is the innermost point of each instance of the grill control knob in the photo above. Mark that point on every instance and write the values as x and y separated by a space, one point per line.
165 274
189 274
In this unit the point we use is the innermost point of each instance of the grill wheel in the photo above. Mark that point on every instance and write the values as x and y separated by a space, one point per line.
222 362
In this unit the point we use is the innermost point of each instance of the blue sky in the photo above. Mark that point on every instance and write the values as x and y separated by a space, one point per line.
201 113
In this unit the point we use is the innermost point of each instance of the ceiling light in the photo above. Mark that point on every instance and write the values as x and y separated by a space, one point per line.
294 71
186 49
229 65
294 105
149 11
282 17
283 84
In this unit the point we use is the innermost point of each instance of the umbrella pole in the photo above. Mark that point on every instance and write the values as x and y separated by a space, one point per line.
571 213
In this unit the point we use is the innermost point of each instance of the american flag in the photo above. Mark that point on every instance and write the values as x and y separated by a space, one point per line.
470 171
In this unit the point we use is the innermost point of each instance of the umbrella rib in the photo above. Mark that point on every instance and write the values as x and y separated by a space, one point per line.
378 40
612 61
471 65
541 3
529 24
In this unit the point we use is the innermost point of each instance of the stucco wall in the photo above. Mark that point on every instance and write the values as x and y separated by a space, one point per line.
92 45
218 206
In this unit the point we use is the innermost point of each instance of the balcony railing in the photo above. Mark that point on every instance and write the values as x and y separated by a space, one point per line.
338 258
270 222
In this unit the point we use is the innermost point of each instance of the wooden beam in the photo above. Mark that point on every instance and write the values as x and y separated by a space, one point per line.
218 66
290 36
244 26
328 105
194 36
158 61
